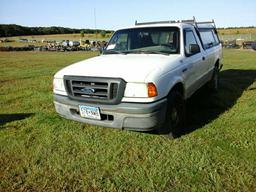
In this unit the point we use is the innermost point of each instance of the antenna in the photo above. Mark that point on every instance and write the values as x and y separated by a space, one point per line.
194 18
95 24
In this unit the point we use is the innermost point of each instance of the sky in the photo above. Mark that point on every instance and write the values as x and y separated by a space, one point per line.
114 14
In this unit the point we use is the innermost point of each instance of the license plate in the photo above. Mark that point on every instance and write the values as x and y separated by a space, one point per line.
89 112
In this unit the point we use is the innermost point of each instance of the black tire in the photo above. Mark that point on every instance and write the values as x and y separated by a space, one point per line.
213 84
175 116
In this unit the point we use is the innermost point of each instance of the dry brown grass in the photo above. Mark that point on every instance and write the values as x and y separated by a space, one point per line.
237 31
75 36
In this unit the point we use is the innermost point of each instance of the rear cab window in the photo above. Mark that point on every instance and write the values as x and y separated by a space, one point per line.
209 37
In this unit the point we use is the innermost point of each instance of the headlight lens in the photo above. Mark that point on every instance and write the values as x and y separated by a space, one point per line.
58 86
140 90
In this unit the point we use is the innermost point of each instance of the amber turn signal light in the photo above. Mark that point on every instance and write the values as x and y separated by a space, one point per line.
152 91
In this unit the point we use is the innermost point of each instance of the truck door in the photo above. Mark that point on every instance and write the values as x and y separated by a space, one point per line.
210 40
195 62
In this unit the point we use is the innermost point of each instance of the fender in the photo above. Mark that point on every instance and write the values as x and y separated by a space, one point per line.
167 83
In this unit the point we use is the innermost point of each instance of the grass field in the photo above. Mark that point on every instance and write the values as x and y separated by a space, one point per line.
225 34
41 151
237 31
248 34
21 44
57 37
75 36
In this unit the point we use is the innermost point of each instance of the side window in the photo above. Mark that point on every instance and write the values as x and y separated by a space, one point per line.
214 32
189 38
209 38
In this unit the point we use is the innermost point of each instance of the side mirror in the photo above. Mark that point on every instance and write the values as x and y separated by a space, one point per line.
194 48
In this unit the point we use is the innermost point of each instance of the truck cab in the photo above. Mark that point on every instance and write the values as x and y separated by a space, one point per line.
143 78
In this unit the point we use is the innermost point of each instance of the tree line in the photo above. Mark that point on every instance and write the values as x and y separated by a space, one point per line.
8 30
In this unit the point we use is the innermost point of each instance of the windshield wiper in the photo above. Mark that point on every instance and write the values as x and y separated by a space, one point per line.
146 52
113 52
135 52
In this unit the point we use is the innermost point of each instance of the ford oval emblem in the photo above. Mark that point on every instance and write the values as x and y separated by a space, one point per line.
88 91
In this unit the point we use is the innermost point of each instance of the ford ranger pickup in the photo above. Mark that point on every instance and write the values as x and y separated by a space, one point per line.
143 77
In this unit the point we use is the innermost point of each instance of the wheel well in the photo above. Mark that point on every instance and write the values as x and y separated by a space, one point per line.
178 87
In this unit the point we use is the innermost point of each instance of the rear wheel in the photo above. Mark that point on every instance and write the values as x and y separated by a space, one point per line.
213 84
175 116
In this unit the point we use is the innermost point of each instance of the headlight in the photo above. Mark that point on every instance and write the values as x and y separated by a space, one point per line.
140 90
58 86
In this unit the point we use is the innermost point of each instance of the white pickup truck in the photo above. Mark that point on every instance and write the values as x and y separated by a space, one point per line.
143 77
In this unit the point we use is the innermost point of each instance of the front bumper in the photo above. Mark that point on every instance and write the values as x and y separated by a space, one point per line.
132 116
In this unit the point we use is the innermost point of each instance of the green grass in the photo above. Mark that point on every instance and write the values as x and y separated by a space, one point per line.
41 151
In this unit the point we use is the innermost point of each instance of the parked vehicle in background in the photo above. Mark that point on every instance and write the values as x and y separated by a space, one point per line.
143 78
254 45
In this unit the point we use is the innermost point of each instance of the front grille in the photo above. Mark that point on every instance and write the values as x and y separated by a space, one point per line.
92 89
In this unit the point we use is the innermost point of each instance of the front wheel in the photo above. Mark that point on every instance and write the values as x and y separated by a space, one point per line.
175 116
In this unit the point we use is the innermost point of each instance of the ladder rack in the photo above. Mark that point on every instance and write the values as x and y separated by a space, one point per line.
189 21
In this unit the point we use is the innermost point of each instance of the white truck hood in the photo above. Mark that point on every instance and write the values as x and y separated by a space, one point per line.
130 67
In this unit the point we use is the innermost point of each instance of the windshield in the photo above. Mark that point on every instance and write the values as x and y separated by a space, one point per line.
154 40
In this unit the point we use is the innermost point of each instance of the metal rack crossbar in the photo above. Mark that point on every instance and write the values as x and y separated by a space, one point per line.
189 21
